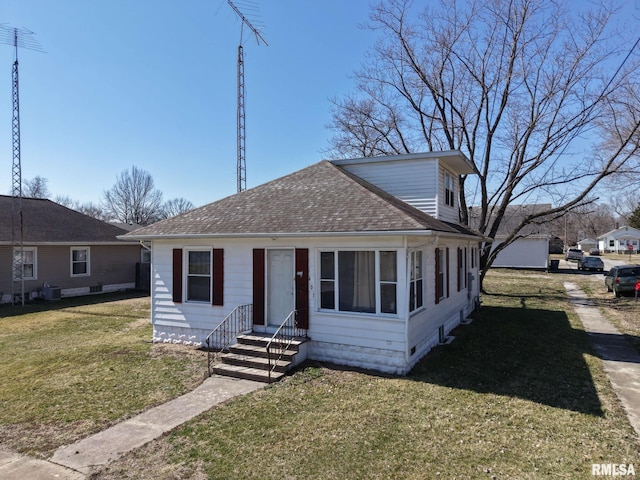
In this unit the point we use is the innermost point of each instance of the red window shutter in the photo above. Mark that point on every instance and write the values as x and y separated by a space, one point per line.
459 268
258 286
302 287
437 276
217 289
177 275
447 269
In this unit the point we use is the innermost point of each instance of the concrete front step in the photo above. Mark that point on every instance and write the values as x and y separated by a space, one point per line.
262 340
247 373
258 351
258 362
248 358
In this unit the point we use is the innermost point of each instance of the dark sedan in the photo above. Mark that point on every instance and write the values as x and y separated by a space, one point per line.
591 263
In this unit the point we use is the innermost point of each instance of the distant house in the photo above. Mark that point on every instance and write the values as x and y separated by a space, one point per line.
621 240
532 250
65 252
587 244
367 254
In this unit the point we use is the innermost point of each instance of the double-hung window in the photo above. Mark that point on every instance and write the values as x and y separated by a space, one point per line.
27 260
449 189
80 262
364 281
199 275
415 281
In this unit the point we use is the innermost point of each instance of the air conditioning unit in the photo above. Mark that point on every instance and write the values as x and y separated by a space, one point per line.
51 292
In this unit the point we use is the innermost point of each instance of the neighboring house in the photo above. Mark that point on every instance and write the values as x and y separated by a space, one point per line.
620 240
532 250
587 244
64 249
368 253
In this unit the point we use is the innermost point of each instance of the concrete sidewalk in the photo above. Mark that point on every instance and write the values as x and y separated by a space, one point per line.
621 362
76 461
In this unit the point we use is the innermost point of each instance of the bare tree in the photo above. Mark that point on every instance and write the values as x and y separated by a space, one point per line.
36 188
91 209
134 199
174 207
523 87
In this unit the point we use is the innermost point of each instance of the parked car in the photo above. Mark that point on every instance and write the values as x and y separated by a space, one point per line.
594 251
573 254
622 278
590 263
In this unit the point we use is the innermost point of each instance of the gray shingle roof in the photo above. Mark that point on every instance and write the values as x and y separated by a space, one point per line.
45 221
322 198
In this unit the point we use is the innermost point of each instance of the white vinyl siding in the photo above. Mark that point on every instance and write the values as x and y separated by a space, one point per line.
412 181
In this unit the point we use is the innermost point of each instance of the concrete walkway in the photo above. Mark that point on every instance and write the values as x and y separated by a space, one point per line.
76 461
621 362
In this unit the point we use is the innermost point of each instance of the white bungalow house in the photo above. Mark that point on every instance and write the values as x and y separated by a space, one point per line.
621 240
365 257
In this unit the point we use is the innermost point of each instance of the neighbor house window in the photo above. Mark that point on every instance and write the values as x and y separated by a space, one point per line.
28 261
199 275
612 243
359 281
415 281
449 189
80 266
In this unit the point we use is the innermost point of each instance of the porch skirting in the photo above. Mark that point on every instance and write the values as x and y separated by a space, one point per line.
383 360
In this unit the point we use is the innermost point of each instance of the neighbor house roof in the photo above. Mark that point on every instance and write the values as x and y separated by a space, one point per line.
320 199
45 221
622 232
513 216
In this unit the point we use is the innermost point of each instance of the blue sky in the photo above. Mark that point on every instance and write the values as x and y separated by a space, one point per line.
152 83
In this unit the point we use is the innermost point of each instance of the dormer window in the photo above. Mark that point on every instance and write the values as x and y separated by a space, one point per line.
449 189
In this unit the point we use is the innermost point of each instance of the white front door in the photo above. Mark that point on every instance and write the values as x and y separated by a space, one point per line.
280 285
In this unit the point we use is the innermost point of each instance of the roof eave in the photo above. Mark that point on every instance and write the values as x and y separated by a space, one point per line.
373 233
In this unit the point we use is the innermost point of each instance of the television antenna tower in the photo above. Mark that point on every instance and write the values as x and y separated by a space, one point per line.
23 38
242 165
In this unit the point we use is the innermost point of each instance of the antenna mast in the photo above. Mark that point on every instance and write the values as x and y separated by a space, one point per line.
17 37
242 166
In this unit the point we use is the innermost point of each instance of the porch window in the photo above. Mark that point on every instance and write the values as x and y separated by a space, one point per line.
362 281
415 281
28 261
449 189
80 266
199 275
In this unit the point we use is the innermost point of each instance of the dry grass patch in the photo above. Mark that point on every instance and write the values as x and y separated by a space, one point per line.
74 367
623 312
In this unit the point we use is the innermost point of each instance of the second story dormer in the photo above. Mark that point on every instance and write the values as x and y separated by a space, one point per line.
427 181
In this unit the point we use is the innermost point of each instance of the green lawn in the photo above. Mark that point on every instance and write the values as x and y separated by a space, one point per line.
76 366
518 394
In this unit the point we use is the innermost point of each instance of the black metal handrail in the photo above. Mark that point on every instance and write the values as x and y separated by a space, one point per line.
239 321
282 339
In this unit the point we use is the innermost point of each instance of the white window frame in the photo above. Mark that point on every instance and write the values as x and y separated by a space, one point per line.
443 279
188 275
34 250
417 302
87 261
378 282
449 190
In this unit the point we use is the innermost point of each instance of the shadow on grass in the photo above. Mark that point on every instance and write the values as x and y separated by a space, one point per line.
526 353
7 310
